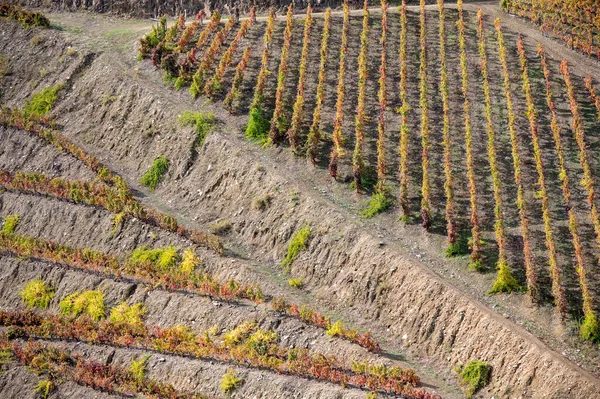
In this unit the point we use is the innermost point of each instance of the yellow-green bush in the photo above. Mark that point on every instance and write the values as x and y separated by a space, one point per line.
88 302
37 294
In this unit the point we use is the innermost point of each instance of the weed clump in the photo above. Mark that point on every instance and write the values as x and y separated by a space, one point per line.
156 172
295 282
262 202
239 334
123 313
88 302
379 202
10 223
475 375
297 244
505 282
590 329
42 102
44 388
230 382
458 248
166 258
220 228
28 19
138 368
258 126
202 122
37 294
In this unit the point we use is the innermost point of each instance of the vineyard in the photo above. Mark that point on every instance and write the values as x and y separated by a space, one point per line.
370 200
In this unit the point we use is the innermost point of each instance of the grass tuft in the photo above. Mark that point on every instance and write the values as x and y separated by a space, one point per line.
201 121
10 223
220 228
379 202
123 313
262 202
42 102
590 330
258 126
475 375
297 244
156 172
505 282
88 302
458 248
230 382
37 294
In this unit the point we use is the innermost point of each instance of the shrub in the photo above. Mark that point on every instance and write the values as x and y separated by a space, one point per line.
258 125
336 329
230 382
44 388
28 19
10 223
590 329
505 282
37 294
123 313
295 282
475 375
379 202
189 261
42 102
201 121
88 302
297 244
156 172
138 368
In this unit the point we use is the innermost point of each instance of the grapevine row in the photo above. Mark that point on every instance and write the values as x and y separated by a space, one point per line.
240 70
475 259
448 184
404 108
337 151
314 134
257 121
588 305
298 114
424 104
381 95
530 272
505 282
588 179
555 271
214 84
279 120
593 96
198 80
357 157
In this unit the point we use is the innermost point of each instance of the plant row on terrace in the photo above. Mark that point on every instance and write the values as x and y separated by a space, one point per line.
59 365
159 267
245 345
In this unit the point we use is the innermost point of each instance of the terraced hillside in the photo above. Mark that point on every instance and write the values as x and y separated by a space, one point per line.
349 203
